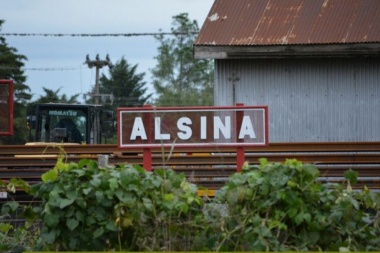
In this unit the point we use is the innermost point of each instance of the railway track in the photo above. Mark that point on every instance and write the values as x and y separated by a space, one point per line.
208 167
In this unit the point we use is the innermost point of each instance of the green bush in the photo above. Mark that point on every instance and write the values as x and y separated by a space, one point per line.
19 230
122 207
282 207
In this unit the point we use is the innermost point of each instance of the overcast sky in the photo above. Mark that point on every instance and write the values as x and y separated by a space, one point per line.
57 62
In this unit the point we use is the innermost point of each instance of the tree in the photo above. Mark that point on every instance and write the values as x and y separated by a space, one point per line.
53 97
178 78
11 64
125 86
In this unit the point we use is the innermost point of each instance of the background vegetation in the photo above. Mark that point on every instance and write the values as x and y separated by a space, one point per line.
178 79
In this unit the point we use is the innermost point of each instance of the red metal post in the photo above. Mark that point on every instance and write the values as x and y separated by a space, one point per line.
240 153
147 159
240 158
147 152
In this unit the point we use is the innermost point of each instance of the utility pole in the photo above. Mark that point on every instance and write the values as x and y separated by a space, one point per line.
234 79
98 64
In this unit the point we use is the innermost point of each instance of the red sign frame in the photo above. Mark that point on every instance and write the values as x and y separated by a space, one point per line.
147 113
7 99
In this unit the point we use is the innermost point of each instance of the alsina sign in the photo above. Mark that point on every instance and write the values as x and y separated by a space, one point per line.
150 127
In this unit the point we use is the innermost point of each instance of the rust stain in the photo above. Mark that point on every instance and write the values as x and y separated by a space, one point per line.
271 22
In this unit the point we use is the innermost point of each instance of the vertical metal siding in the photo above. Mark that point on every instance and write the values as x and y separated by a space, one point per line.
313 100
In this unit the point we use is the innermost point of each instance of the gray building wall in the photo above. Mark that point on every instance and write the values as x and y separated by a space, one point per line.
309 100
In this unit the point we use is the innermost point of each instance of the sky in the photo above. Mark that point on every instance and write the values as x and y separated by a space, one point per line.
58 62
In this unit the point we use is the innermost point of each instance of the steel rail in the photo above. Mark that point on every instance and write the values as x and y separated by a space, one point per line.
208 167
38 149
212 159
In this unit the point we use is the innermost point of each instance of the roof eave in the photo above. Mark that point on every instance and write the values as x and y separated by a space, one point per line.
280 51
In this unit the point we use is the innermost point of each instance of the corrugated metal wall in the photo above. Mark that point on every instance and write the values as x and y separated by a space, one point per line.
310 100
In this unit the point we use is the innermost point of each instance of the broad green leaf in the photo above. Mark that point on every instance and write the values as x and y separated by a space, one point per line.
82 203
312 170
72 194
79 172
183 207
95 181
98 232
69 212
90 220
355 203
54 200
265 189
124 197
73 242
84 163
51 219
86 191
169 197
293 163
20 183
185 186
307 217
99 196
5 227
125 177
79 215
50 176
238 179
50 236
10 206
113 182
72 223
139 169
148 204
367 219
263 162
65 202
292 184
156 181
115 174
276 224
190 200
160 172
299 218
30 214
336 216
111 226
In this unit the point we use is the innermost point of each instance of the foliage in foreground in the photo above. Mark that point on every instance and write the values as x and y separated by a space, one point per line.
270 207
282 207
22 236
88 208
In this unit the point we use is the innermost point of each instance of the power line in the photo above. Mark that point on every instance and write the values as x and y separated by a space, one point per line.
41 69
96 34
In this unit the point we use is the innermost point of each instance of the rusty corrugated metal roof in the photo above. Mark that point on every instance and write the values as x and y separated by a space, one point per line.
291 22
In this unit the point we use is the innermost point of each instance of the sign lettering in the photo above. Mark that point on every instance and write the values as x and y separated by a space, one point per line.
205 126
